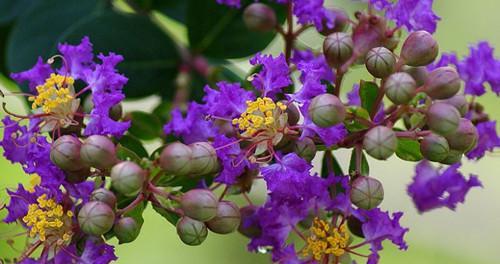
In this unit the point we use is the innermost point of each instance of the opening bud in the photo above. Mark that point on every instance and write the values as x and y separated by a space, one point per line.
127 178
453 157
419 74
380 142
459 102
249 224
355 226
380 62
65 153
126 230
96 218
419 49
116 112
443 118
204 158
191 231
442 83
367 193
292 112
326 110
227 219
259 17
98 152
104 195
434 147
465 137
340 23
305 148
199 204
176 159
400 88
338 49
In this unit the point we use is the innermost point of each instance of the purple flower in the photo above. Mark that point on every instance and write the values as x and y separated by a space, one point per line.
330 136
488 140
445 60
229 101
230 3
286 255
274 75
94 252
313 12
232 157
380 4
22 198
414 15
433 189
35 76
193 127
79 58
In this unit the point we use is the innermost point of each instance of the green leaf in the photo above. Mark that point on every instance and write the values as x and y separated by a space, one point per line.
145 126
134 145
172 8
4 33
11 9
136 213
368 92
365 167
408 149
417 120
162 111
171 217
329 158
352 124
219 31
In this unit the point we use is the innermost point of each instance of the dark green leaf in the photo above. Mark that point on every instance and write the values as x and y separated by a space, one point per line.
162 111
368 92
145 126
408 149
4 32
135 213
352 124
10 9
133 144
172 8
171 217
365 168
334 166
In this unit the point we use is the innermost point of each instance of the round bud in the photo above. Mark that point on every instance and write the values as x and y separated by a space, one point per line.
339 24
98 152
465 137
326 110
104 195
259 17
380 62
227 220
199 204
65 153
305 148
367 193
96 218
459 102
400 88
78 176
204 158
126 229
191 231
453 157
293 113
355 226
127 178
419 74
176 159
443 118
249 226
434 147
380 142
419 49
116 112
442 83
338 49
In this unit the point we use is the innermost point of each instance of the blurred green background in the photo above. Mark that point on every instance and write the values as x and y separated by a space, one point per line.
468 235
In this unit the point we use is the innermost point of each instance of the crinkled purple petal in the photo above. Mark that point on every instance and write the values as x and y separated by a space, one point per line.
414 15
79 58
230 3
274 75
488 140
313 12
229 101
35 76
193 127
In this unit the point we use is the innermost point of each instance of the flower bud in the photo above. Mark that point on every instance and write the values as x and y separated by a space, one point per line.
326 110
199 204
259 17
459 102
305 148
191 231
338 49
96 218
204 158
227 219
367 193
443 118
116 112
78 176
126 229
339 24
380 142
249 224
104 195
465 137
127 178
98 152
434 147
293 113
355 226
453 157
419 74
419 49
400 88
380 62
65 153
442 83
176 159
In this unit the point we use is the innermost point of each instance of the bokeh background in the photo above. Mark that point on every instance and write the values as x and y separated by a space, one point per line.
468 235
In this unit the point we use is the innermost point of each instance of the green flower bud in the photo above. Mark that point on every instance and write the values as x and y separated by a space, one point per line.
259 17
98 152
380 142
204 158
199 204
459 102
293 113
65 153
176 159
227 219
419 74
367 193
96 218
380 62
400 88
338 49
355 226
442 83
434 147
453 157
104 195
326 110
116 112
465 137
191 231
443 118
339 24
305 148
419 49
78 176
249 228
126 230
127 178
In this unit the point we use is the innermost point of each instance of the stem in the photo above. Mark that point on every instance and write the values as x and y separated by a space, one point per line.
294 228
160 192
359 156
378 100
361 120
223 193
132 205
30 250
412 134
289 36
338 82
247 198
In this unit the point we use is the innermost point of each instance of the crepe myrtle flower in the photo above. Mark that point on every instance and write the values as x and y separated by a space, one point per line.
230 3
52 91
273 76
488 140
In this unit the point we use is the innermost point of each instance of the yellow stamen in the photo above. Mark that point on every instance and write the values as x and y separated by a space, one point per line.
260 114
326 240
34 181
53 94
